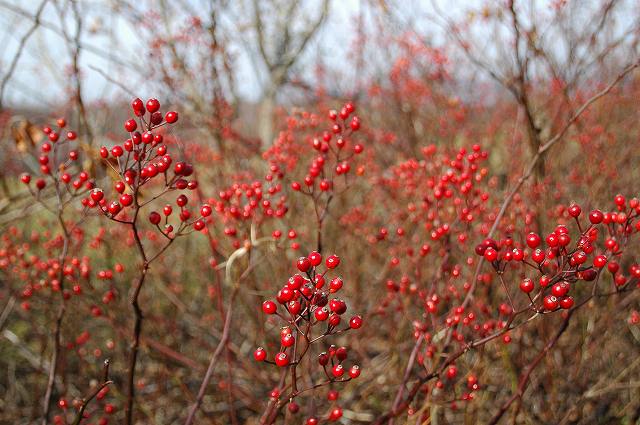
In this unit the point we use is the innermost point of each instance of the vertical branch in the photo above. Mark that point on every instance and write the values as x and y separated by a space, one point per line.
137 327
57 339
213 362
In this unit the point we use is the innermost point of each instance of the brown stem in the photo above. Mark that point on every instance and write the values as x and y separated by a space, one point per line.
87 400
135 344
212 363
524 378
57 343
407 372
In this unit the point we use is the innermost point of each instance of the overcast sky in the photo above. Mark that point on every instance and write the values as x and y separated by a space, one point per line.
39 78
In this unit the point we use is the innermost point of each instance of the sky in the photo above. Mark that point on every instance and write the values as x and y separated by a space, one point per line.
39 79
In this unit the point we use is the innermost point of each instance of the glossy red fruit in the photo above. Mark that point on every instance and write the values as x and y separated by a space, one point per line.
452 372
282 359
550 302
321 314
153 105
566 303
526 285
303 264
332 261
533 240
354 371
574 210
600 261
338 370
335 414
490 254
315 258
260 354
596 217
355 322
171 117
269 307
138 107
335 284
130 125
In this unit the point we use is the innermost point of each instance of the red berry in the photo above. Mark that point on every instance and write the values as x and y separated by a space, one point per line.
153 105
335 285
138 107
600 261
287 340
596 217
171 117
355 124
269 307
574 210
321 314
355 322
526 285
335 414
260 354
126 199
452 371
282 359
130 125
338 370
560 289
154 218
315 258
566 303
332 261
354 372
550 302
533 240
490 254
303 264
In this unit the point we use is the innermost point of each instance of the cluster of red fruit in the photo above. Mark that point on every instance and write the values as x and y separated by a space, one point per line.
565 261
445 203
333 149
142 159
35 270
307 303
332 141
249 203
59 168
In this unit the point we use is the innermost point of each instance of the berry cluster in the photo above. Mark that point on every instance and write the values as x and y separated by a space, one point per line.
304 304
59 165
143 159
567 261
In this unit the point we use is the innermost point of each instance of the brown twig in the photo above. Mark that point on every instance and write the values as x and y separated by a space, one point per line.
85 401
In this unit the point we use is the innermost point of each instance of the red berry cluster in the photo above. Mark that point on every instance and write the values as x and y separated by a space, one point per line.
567 261
59 165
305 303
243 204
333 149
143 159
